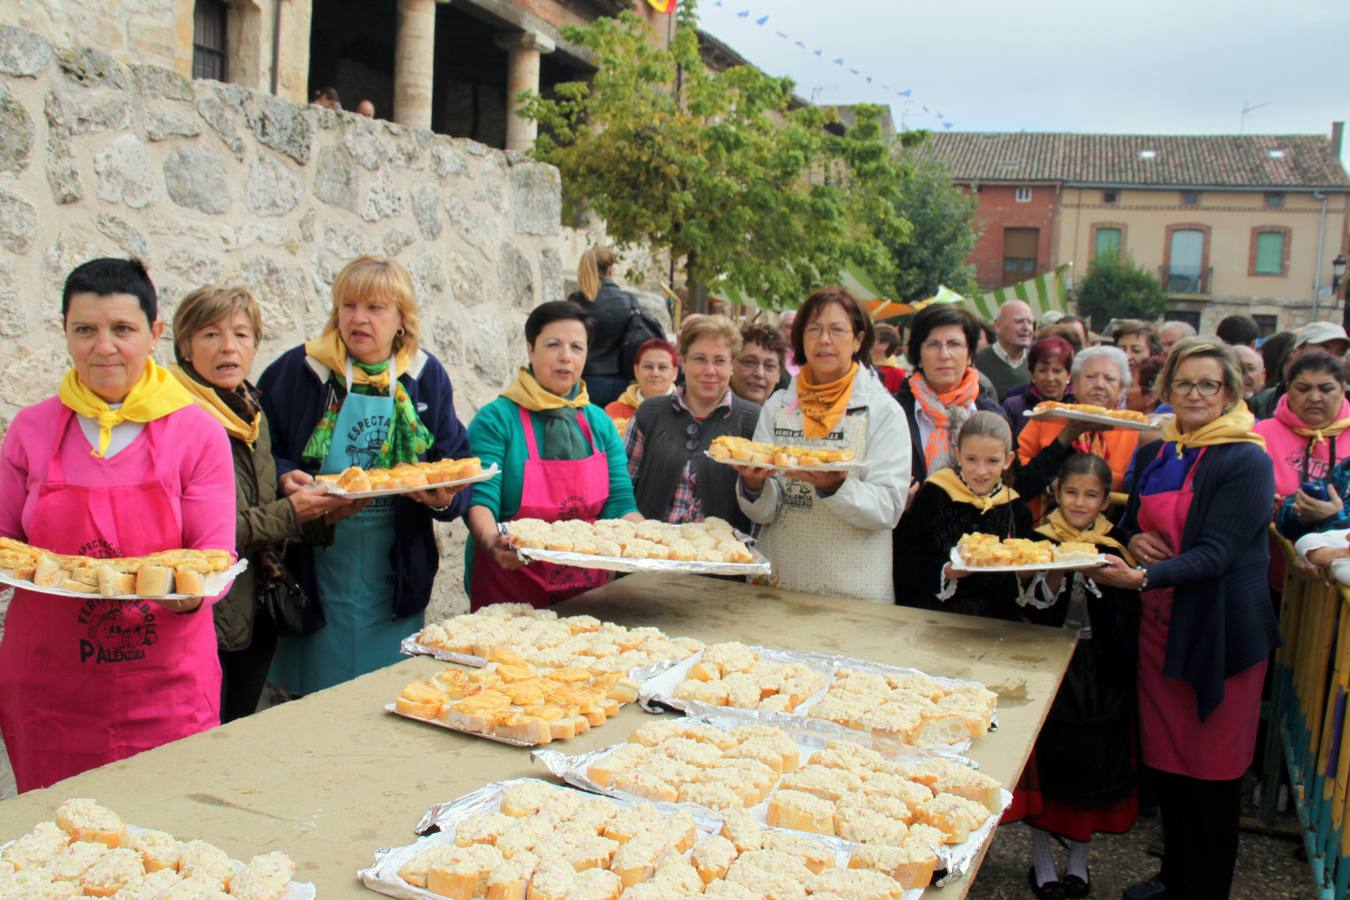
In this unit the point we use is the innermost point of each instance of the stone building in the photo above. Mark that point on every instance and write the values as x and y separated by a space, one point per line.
454 68
1228 223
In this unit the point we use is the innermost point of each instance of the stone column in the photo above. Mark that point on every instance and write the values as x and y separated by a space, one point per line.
414 62
522 74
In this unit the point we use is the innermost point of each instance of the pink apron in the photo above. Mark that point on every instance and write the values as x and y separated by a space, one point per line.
84 682
1172 737
553 490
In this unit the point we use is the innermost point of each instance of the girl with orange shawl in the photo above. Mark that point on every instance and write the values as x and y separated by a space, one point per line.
830 532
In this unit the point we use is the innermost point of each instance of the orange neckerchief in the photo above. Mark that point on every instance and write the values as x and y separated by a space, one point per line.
823 405
939 409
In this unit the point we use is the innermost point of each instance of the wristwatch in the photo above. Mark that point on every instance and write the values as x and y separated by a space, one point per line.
1143 586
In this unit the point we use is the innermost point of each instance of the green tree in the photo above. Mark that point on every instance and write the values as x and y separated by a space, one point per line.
1115 287
719 171
934 250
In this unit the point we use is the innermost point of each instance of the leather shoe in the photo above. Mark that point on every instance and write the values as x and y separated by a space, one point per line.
1153 889
1051 890
1075 887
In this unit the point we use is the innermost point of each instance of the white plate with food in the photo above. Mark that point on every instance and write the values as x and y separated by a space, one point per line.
846 466
1096 415
1073 563
739 451
485 475
167 575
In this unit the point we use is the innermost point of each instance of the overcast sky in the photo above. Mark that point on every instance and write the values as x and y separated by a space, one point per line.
1149 66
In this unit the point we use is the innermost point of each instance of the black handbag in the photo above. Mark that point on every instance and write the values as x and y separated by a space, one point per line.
295 613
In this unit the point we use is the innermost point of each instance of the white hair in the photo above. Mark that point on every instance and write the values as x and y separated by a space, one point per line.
783 316
1186 328
1115 354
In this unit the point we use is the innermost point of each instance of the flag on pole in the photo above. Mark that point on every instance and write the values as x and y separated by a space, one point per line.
662 6
1043 293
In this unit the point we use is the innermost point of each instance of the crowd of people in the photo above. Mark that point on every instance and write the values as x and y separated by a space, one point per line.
1174 633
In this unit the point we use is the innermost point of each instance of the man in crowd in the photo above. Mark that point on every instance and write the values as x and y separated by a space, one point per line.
366 108
755 374
1326 336
1238 330
1004 361
1253 371
328 98
1173 331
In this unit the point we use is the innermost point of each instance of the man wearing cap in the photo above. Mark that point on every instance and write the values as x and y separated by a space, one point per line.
1326 336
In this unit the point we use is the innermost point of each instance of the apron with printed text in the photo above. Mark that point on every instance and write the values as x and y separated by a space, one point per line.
554 490
1171 735
355 573
84 682
811 548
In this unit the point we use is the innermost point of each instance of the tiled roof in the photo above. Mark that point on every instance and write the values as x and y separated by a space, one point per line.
1256 160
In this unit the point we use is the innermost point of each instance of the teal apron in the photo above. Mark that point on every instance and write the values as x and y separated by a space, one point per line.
355 574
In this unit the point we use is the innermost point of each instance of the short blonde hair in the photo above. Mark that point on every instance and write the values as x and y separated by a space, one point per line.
701 327
1200 348
210 304
379 276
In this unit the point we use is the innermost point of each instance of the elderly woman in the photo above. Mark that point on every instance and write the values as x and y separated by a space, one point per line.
830 532
1207 626
363 394
120 463
560 456
673 479
755 374
1310 431
1137 339
1049 359
654 376
216 332
1099 375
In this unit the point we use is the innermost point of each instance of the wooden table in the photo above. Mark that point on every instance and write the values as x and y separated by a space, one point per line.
332 777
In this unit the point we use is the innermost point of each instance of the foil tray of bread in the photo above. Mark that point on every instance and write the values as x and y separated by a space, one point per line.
710 547
792 778
527 837
363 484
738 451
542 637
1094 415
166 575
883 706
88 846
978 553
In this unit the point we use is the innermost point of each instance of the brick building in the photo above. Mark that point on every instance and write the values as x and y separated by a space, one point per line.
1228 223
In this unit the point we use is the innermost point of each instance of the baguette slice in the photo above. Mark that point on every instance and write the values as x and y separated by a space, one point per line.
48 572
153 581
78 587
186 581
112 583
86 820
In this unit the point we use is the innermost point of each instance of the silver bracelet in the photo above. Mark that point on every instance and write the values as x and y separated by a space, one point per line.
1142 571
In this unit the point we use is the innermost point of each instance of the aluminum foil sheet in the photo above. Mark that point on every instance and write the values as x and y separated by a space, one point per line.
659 692
409 646
296 890
761 566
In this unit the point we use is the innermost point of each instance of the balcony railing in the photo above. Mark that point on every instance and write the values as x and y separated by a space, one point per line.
1186 279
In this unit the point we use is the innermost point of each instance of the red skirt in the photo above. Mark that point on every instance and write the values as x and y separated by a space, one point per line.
1075 823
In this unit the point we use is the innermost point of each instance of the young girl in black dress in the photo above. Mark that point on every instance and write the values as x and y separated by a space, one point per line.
1081 778
969 498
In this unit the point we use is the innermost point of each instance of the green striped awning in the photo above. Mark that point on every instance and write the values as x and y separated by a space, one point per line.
1043 293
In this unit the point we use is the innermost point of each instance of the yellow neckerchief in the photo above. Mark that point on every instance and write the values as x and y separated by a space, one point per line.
329 350
1058 529
1233 427
951 482
632 395
154 396
207 398
892 362
823 405
528 393
1320 435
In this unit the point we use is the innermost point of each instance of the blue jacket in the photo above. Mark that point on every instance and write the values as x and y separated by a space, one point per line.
295 393
1222 619
1292 527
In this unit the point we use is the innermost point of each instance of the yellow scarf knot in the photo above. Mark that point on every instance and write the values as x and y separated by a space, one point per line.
959 491
206 397
1058 529
1233 427
527 392
155 395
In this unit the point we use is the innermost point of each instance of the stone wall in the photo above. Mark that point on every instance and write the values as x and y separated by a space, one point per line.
157 32
215 183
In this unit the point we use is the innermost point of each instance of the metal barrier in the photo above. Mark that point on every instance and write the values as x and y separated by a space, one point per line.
1306 721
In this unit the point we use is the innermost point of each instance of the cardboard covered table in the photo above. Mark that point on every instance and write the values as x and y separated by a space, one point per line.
332 777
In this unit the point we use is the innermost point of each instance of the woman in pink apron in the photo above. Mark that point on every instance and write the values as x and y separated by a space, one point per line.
1207 627
560 456
121 463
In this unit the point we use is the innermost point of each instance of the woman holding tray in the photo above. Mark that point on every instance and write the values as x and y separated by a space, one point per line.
561 458
830 532
673 479
363 394
1207 628
120 463
216 332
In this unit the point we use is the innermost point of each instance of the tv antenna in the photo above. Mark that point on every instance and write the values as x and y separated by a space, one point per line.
1247 109
820 89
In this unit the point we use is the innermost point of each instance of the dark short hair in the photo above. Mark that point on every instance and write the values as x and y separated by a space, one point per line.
766 336
546 314
328 93
837 296
1086 464
1050 349
1238 329
1274 351
1316 361
889 337
937 315
106 276
1137 326
989 331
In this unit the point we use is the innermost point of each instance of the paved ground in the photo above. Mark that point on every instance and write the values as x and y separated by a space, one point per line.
1266 870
